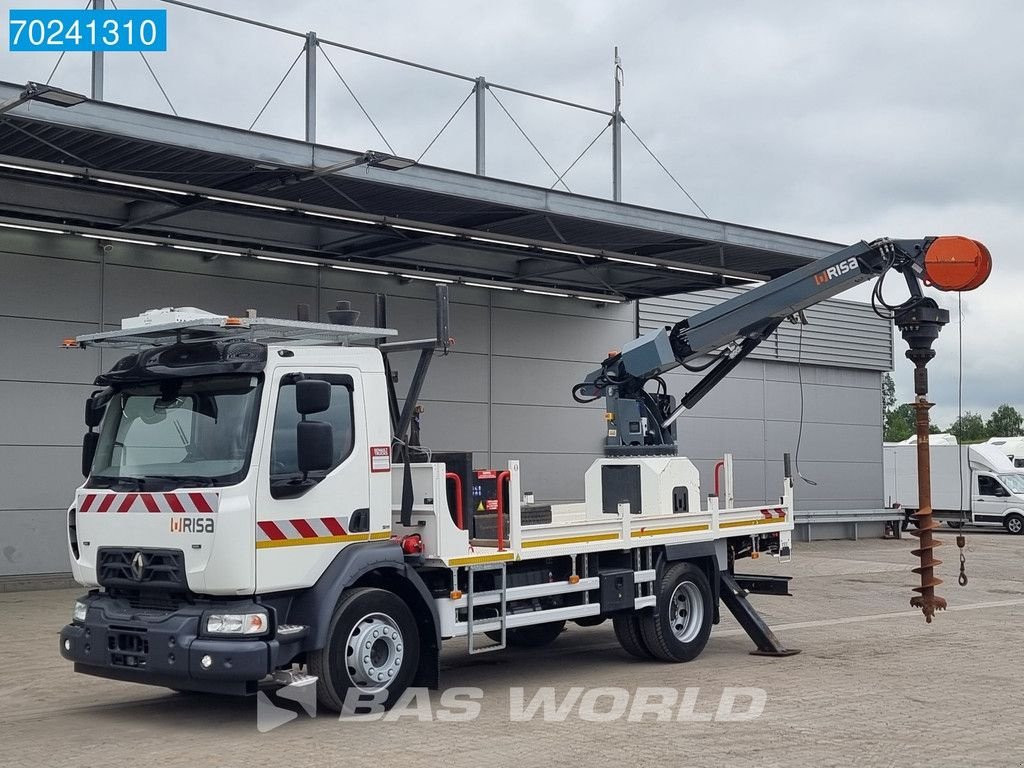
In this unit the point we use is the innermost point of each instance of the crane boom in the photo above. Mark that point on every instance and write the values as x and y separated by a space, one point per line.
643 422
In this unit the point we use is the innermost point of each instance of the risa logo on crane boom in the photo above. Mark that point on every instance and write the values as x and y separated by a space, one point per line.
841 268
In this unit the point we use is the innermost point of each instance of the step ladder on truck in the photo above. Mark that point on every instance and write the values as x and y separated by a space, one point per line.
253 509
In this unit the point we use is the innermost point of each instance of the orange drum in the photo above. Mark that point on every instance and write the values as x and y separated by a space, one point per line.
956 264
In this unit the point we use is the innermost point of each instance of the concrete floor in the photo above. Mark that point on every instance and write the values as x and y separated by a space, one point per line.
874 686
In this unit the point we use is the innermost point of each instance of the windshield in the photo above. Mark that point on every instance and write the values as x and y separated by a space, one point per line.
1013 483
179 432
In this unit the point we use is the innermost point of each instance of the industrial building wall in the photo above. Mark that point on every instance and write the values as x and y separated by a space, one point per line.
755 413
502 393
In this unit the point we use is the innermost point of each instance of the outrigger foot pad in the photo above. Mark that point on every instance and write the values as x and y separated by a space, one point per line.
735 599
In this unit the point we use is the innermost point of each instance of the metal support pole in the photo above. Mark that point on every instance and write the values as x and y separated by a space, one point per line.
311 46
617 132
481 132
97 62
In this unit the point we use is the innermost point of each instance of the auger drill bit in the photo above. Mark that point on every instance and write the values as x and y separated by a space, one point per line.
927 600
920 325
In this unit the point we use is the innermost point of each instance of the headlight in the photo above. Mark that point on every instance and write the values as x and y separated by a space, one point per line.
79 613
236 623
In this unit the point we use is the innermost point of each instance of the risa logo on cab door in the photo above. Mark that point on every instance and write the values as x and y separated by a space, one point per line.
841 268
191 525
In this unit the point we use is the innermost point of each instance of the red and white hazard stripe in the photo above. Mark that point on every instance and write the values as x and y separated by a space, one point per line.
183 503
300 529
776 513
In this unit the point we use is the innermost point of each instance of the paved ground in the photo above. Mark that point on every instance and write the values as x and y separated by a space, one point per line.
874 686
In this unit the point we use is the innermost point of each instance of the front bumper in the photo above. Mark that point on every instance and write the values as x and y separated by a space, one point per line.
165 647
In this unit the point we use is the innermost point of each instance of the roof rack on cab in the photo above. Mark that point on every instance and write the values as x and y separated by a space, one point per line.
174 325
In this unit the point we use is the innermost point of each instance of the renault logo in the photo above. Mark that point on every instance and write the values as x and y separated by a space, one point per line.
138 565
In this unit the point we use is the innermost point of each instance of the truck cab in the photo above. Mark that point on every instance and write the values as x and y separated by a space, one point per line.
998 499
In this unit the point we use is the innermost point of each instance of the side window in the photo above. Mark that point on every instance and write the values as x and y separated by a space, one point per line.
285 478
989 486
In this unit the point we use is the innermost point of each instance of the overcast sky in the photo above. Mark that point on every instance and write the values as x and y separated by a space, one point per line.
834 119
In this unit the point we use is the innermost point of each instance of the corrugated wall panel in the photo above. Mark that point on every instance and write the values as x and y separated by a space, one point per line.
839 333
503 392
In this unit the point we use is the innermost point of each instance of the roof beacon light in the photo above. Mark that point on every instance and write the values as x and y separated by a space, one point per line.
955 263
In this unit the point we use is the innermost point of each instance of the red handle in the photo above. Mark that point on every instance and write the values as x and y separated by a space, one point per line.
458 498
502 476
718 466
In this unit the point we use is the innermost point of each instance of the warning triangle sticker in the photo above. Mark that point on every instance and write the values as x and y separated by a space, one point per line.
480 507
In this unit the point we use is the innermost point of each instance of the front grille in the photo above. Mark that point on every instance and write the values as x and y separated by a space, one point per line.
128 647
142 569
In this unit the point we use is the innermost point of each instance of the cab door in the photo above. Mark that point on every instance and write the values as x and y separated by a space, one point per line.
990 499
304 519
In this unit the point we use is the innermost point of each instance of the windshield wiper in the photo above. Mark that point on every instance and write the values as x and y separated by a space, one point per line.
195 481
106 481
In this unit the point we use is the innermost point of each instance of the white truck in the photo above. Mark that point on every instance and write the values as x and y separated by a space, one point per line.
972 484
254 506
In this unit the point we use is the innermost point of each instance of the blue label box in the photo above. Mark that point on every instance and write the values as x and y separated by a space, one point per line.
87 30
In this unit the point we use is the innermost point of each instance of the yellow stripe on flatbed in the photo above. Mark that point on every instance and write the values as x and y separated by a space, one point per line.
676 529
583 539
497 557
763 521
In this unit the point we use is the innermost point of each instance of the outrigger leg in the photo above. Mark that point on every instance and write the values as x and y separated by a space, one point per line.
735 599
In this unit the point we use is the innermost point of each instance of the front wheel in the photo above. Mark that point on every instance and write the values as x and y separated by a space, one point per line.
1014 524
372 649
678 627
955 524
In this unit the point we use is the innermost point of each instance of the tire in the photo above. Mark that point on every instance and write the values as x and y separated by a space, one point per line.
627 632
1014 524
678 627
537 636
373 617
954 524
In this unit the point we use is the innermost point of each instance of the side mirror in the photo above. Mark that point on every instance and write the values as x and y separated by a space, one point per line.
94 410
312 396
1002 493
314 444
89 442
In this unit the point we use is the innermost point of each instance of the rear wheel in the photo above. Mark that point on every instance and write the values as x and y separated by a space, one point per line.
536 636
954 523
627 632
372 647
679 626
1014 524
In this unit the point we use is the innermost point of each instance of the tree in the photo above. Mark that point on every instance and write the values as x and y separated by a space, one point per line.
899 423
969 428
1005 421
888 393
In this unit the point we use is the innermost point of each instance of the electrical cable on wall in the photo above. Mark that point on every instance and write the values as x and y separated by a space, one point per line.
800 378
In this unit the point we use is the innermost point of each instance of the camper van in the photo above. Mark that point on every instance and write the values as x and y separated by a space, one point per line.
1013 447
